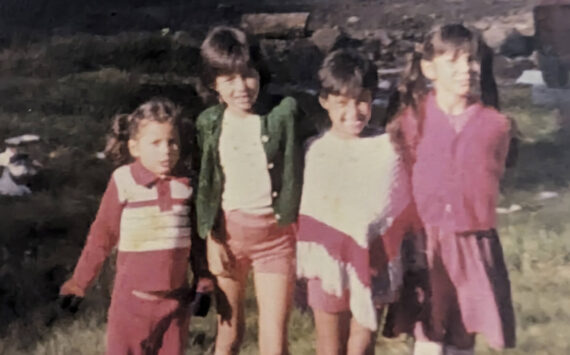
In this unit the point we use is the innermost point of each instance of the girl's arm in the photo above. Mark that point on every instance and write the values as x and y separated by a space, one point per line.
500 143
103 236
402 212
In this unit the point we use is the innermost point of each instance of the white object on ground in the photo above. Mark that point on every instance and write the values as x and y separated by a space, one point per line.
545 195
352 20
100 155
24 138
531 77
6 155
9 187
512 208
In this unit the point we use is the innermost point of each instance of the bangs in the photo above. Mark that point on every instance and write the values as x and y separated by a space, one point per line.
456 39
230 65
347 73
345 85
227 53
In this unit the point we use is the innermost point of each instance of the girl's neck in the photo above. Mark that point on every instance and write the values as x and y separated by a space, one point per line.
239 113
451 104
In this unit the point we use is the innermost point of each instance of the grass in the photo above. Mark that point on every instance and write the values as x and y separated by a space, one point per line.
66 90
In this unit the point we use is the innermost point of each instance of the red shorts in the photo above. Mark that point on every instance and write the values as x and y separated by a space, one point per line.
258 241
319 300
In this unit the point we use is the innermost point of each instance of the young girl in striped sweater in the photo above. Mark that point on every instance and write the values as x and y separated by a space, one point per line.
145 213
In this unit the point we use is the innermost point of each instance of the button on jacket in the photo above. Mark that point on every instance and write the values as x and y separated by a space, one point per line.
282 144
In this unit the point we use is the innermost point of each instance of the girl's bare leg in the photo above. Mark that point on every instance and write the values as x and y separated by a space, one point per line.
428 348
360 340
332 332
231 322
274 293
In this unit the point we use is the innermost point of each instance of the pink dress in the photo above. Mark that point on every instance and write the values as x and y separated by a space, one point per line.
457 164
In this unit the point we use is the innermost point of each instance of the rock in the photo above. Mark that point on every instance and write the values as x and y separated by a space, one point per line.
517 45
496 29
482 24
23 139
546 195
531 77
9 187
295 61
383 36
496 35
276 25
524 23
184 39
511 68
326 38
397 34
352 20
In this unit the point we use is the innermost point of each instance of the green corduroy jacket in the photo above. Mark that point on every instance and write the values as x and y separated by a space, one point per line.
283 149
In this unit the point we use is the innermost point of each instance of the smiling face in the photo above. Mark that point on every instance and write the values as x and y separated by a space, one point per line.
157 146
348 115
452 73
238 91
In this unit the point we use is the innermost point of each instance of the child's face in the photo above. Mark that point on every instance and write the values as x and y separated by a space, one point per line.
452 73
156 146
348 115
238 91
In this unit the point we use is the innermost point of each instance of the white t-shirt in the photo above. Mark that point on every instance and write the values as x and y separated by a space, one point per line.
247 181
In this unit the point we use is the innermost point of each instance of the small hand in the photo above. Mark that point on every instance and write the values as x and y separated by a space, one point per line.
220 259
71 288
70 303
205 285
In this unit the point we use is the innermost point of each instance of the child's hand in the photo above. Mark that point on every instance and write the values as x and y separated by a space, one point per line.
378 259
205 285
71 288
220 260
70 303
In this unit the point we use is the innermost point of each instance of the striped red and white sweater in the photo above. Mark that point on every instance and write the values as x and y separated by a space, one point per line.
148 219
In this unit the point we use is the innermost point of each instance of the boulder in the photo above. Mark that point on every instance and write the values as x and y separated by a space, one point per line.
276 25
517 45
326 38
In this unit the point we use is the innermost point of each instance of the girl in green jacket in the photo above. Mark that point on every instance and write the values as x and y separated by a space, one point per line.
248 191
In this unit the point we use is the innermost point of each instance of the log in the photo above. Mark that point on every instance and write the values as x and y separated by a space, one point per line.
276 25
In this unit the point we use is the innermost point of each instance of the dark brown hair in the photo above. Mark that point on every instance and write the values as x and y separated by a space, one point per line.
347 72
127 126
226 51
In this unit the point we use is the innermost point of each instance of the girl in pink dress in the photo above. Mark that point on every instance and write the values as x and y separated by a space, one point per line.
455 145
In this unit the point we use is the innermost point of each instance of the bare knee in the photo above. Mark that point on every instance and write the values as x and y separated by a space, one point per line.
228 341
230 336
359 342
